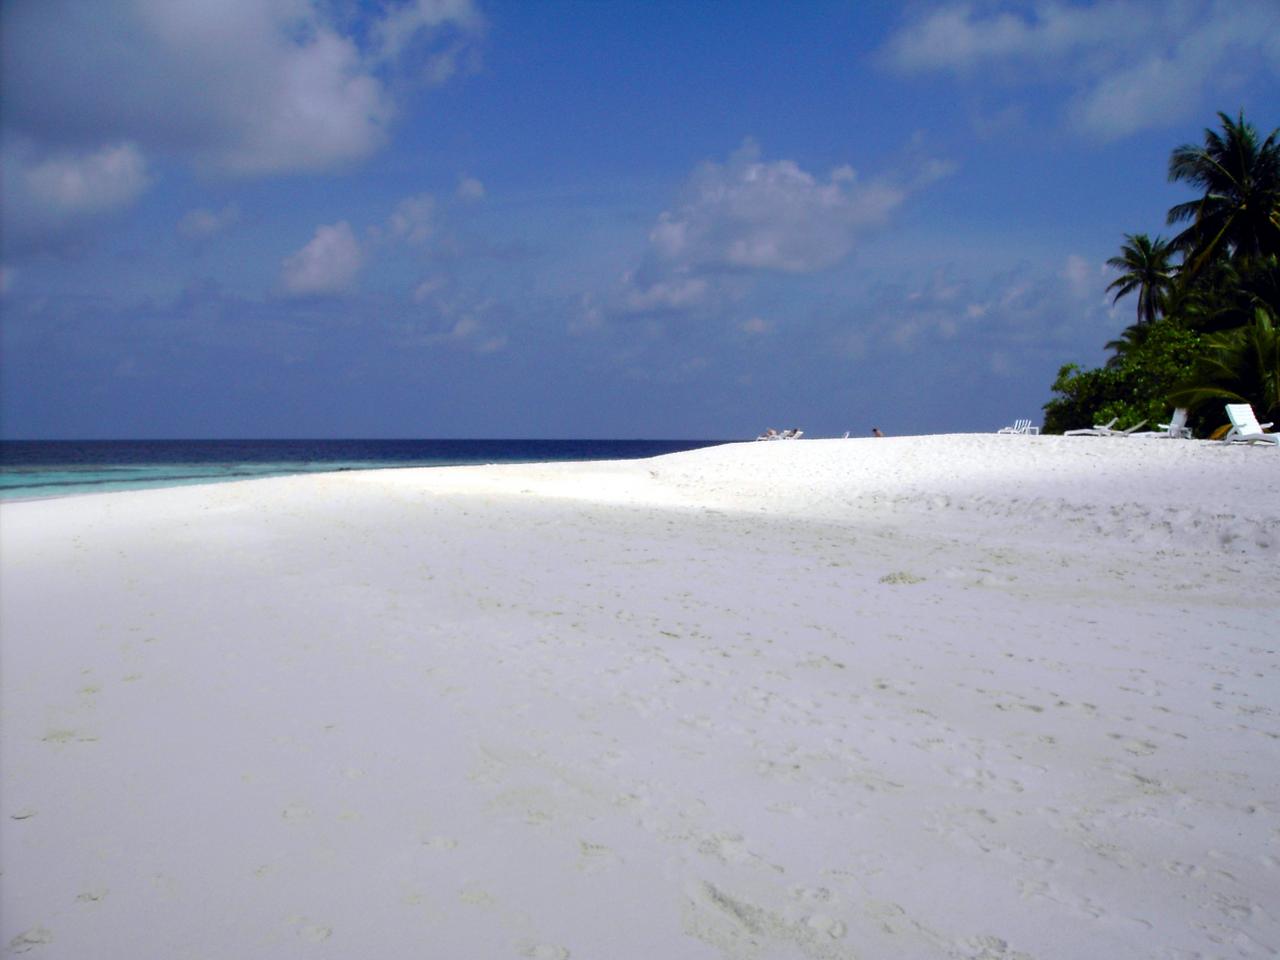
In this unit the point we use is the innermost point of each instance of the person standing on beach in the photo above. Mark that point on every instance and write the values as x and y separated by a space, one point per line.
875 432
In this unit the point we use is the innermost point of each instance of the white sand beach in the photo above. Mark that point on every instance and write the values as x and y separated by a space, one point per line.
938 697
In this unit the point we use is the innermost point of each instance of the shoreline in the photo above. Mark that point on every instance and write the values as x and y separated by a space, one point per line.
66 468
932 697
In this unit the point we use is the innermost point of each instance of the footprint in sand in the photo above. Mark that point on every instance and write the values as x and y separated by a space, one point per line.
296 811
822 923
596 857
314 932
901 577
543 951
726 847
63 735
1235 907
35 937
440 843
990 948
1139 748
790 809
477 897
811 894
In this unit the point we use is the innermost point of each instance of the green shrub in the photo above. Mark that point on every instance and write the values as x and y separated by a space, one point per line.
1135 386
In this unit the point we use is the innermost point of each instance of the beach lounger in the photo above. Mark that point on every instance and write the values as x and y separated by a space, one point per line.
1175 429
1020 426
1129 432
1106 430
1245 427
1095 431
794 433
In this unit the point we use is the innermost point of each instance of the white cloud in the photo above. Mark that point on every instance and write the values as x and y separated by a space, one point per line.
201 224
492 344
754 326
678 293
402 24
588 317
450 23
1128 65
469 188
412 219
1018 310
50 198
327 265
957 37
95 182
242 86
281 89
457 324
760 215
425 290
750 216
1081 279
1129 99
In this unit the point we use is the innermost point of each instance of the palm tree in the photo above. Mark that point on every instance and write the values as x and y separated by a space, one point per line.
1242 364
1146 268
1130 341
1260 283
1226 294
1239 214
1237 366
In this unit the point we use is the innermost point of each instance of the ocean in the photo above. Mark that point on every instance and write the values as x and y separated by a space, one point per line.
35 469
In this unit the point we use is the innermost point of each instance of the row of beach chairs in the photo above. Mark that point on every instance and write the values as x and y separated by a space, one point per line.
1244 427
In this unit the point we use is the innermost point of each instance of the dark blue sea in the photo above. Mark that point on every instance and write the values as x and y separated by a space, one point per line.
31 469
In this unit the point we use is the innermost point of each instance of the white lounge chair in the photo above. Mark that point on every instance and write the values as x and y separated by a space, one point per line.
1177 426
795 433
1245 427
1105 430
1175 429
1097 430
1020 426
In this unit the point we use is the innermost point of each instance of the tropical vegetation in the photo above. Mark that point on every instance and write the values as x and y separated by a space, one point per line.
1207 326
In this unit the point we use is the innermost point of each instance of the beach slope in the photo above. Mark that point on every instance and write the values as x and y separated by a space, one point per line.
954 697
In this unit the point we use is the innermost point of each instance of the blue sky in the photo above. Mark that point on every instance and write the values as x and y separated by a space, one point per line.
458 218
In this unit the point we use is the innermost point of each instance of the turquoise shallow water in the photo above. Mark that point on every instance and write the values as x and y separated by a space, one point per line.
39 469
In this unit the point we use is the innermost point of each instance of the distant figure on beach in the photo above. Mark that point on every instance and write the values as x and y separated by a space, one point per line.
875 432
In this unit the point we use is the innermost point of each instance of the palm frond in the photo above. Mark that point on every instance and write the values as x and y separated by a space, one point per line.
1183 211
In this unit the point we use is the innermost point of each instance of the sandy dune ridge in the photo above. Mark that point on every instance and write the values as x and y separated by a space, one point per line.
955 697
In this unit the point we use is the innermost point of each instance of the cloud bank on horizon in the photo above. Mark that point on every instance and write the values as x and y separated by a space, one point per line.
450 218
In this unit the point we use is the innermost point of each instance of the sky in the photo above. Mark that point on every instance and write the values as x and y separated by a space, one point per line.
608 219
